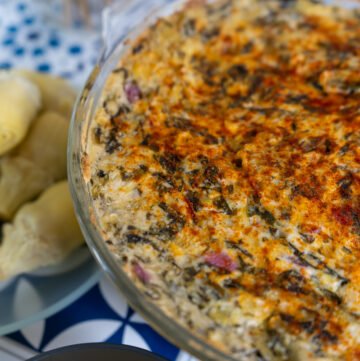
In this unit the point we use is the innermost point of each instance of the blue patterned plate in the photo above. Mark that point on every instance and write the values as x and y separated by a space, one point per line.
98 351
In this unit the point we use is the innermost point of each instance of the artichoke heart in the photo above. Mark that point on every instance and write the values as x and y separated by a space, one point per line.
20 100
38 162
43 233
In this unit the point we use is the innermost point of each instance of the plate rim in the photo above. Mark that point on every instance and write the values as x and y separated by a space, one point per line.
55 307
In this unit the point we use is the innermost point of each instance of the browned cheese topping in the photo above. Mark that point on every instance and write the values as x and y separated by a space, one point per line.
225 175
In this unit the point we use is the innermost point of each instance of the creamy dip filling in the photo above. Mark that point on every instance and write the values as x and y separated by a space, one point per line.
224 171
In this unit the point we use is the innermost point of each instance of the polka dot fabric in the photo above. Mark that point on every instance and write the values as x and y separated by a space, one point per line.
28 41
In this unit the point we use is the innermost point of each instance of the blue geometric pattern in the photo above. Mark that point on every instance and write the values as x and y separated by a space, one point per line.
117 324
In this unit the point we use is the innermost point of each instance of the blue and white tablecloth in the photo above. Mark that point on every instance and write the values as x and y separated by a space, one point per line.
102 314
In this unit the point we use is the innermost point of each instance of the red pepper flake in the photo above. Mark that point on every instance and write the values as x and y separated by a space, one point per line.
221 260
310 228
141 274
132 92
191 209
343 215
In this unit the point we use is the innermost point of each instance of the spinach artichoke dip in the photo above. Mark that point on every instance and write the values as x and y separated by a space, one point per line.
223 167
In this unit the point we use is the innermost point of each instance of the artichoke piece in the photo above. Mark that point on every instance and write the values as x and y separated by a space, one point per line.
20 100
57 94
20 180
46 144
38 162
43 233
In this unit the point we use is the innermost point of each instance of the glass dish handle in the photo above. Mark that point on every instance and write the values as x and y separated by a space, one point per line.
122 16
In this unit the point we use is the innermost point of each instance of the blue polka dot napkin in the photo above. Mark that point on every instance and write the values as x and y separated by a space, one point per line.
29 41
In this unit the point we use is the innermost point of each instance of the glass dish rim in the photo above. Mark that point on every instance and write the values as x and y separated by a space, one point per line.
155 316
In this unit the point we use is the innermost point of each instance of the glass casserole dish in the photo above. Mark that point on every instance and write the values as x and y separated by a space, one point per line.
119 26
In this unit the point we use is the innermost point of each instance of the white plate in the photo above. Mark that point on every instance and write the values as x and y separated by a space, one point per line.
28 298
